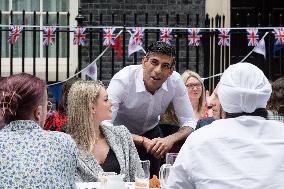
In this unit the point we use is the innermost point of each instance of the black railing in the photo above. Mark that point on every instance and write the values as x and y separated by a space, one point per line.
207 59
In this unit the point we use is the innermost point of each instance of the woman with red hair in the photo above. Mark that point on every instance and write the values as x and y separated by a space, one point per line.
30 156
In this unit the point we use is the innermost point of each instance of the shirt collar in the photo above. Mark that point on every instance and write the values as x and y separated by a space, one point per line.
21 125
140 87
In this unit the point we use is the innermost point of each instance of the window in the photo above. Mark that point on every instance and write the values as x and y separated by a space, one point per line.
41 7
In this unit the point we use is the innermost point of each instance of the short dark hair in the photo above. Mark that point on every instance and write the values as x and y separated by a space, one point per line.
262 112
162 48
276 100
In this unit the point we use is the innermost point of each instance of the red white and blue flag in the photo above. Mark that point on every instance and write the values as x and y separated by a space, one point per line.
279 36
108 36
79 36
136 40
252 37
48 35
193 36
224 37
166 35
137 36
14 33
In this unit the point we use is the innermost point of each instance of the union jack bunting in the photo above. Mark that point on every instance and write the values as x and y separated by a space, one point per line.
79 36
108 36
14 33
166 35
137 35
223 36
48 35
193 36
252 37
279 36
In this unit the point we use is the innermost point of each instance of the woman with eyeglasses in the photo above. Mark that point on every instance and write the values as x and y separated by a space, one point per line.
196 92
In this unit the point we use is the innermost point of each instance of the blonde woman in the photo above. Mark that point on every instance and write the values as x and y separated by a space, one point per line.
101 148
196 92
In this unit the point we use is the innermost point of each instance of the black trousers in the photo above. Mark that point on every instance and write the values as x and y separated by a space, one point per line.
155 163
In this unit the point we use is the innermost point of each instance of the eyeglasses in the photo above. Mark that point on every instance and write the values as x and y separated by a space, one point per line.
49 106
193 85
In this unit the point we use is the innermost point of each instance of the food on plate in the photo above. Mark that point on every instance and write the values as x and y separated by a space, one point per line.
154 182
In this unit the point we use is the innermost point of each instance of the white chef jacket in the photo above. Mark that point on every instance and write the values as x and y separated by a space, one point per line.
139 110
237 153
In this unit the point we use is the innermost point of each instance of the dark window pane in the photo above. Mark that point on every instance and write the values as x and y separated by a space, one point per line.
54 6
4 5
27 5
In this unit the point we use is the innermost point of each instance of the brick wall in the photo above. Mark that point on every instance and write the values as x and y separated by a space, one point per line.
140 7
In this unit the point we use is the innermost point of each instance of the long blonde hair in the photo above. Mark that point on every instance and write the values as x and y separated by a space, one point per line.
201 103
81 96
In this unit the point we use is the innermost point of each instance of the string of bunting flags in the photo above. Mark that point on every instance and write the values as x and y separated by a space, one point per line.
136 39
137 35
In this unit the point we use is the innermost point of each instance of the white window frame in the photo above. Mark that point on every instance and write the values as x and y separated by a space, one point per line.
41 61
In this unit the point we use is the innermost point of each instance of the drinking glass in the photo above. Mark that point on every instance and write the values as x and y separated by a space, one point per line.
103 178
142 178
164 174
170 158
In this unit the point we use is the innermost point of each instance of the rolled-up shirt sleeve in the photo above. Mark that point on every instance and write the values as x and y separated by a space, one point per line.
182 106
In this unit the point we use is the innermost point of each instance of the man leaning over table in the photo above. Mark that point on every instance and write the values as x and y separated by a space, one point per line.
140 93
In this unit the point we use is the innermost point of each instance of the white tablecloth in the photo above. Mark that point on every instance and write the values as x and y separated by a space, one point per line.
96 185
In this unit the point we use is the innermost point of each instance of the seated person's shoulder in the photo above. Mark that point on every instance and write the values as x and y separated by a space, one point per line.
60 137
120 130
203 122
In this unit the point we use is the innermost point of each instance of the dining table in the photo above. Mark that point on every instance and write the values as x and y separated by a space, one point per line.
96 185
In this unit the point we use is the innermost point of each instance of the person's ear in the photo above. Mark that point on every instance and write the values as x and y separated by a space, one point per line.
173 68
143 62
37 113
93 108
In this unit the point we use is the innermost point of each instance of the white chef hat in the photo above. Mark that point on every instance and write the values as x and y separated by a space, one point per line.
243 88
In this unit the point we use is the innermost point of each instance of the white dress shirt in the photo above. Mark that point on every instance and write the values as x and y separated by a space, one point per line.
139 110
237 153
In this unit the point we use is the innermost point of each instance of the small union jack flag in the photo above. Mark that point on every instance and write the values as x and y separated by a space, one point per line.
108 36
14 33
137 35
193 36
224 37
252 37
166 35
48 35
279 36
79 36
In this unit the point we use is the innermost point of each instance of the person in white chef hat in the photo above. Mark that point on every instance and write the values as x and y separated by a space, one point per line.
242 151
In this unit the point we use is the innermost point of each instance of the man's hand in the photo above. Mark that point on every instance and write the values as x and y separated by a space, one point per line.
162 146
148 144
